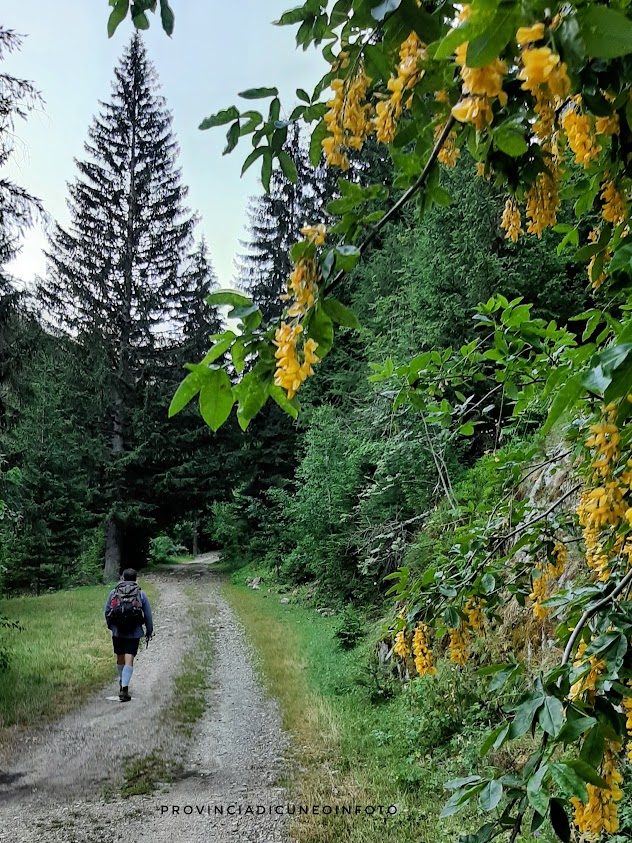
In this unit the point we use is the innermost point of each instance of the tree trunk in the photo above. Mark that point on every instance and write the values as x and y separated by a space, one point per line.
112 567
196 550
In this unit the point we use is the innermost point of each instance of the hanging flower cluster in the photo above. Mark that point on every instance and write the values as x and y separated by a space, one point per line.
614 208
602 508
579 133
401 647
449 153
483 85
475 616
423 657
458 647
599 814
588 683
348 119
388 111
545 77
290 371
511 221
551 570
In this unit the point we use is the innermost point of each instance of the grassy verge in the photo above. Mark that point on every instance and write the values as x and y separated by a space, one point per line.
353 749
143 774
61 654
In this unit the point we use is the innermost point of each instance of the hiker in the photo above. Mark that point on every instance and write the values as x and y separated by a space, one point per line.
126 609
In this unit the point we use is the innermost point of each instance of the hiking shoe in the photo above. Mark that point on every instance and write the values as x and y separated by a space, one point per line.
124 695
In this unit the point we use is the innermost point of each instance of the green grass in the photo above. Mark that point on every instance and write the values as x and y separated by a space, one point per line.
61 654
353 748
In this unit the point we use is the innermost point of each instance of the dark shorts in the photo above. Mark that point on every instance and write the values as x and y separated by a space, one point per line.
125 646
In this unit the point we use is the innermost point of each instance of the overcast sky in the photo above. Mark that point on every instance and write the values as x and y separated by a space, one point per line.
217 49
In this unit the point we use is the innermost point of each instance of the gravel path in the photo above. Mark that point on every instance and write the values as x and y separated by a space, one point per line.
53 789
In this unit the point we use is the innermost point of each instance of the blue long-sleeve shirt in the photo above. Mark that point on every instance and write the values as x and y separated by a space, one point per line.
138 632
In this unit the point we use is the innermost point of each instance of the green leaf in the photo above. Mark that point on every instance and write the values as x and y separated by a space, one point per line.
256 153
118 14
252 393
568 781
607 32
232 138
489 44
536 793
585 771
216 398
466 429
231 297
340 314
575 728
220 119
303 95
280 396
492 738
321 330
452 40
510 140
559 820
524 715
238 354
564 399
316 143
593 746
490 795
266 169
503 676
347 257
458 799
258 93
288 166
167 17
141 21
551 716
488 583
187 390
218 349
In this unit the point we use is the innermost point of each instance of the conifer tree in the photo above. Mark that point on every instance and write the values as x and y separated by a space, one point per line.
115 276
275 220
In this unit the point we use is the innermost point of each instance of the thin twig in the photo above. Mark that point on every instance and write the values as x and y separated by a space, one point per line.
592 611
397 207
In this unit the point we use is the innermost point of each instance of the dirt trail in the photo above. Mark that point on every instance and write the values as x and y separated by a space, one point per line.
52 786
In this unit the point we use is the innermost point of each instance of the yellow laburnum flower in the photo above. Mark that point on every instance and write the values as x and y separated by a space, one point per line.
529 34
388 111
599 814
290 372
315 233
449 153
580 137
607 125
541 66
442 96
482 81
588 682
511 221
542 202
614 208
475 616
423 657
627 705
401 645
475 110
458 647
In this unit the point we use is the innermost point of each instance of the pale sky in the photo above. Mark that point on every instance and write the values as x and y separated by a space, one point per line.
217 50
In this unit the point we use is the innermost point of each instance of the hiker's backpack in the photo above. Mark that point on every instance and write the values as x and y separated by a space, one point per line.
126 607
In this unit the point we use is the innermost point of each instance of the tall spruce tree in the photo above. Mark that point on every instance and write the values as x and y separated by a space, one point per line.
18 209
115 277
275 220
